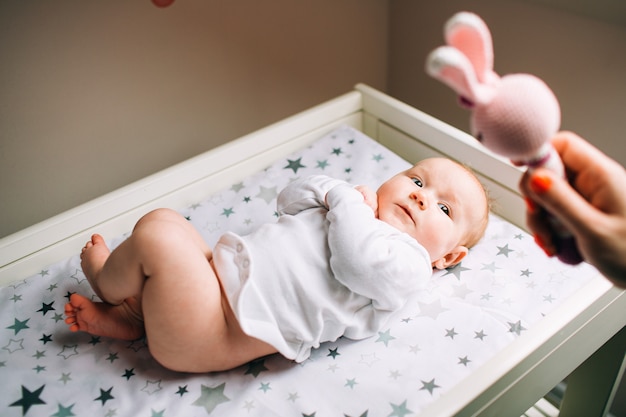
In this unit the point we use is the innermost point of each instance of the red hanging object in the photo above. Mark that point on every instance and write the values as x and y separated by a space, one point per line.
162 3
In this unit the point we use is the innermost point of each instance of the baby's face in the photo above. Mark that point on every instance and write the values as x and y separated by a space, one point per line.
437 202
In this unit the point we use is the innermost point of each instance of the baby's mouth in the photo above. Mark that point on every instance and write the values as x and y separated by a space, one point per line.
407 211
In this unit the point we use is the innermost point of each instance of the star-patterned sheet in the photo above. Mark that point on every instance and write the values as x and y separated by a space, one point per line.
466 315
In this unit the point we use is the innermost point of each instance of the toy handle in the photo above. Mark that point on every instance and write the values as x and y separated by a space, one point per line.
566 247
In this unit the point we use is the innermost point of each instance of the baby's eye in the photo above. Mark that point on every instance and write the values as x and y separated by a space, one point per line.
444 208
418 182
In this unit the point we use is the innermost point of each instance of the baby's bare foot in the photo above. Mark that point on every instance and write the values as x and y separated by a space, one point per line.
92 258
122 321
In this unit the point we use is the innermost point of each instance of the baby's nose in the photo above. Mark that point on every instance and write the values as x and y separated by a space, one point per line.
420 199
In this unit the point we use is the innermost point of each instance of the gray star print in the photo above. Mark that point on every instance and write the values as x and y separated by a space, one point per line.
267 194
211 397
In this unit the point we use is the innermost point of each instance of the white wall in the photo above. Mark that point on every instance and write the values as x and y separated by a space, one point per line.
582 59
96 94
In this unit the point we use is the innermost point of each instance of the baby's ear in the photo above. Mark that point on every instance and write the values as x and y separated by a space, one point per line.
452 258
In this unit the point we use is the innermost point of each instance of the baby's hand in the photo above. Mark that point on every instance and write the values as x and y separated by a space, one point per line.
370 197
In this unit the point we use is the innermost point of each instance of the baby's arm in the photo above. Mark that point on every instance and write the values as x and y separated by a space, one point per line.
370 257
305 193
311 192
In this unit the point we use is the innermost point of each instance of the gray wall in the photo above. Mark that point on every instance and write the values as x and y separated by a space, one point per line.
97 94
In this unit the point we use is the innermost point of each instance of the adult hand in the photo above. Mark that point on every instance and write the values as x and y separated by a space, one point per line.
592 205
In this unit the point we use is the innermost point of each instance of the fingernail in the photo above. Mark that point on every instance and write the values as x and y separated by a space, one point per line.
539 241
540 183
531 206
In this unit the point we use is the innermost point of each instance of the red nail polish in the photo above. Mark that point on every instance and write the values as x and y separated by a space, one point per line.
539 241
540 183
531 206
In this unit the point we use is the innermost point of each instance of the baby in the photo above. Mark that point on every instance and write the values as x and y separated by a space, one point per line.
339 261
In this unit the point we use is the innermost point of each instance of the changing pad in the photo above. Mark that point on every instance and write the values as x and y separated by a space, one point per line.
466 315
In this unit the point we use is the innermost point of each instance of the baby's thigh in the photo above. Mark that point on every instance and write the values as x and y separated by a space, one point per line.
239 348
184 318
190 326
161 223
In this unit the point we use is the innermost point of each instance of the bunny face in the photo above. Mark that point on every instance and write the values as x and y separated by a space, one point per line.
522 116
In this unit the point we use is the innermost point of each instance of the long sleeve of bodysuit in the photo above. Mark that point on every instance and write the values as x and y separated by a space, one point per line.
368 256
371 257
306 193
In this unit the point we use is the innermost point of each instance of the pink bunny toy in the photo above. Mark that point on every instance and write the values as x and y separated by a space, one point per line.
514 116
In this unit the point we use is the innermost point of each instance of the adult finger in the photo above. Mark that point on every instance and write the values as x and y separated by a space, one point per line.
556 195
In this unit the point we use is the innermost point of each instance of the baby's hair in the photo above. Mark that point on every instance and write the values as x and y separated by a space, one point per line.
475 234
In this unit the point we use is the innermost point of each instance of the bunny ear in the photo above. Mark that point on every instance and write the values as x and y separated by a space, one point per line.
469 34
452 67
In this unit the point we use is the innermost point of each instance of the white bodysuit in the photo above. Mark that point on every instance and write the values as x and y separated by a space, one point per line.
328 268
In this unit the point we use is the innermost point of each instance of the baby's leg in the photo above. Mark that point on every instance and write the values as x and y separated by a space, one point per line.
189 324
121 320
118 275
165 267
